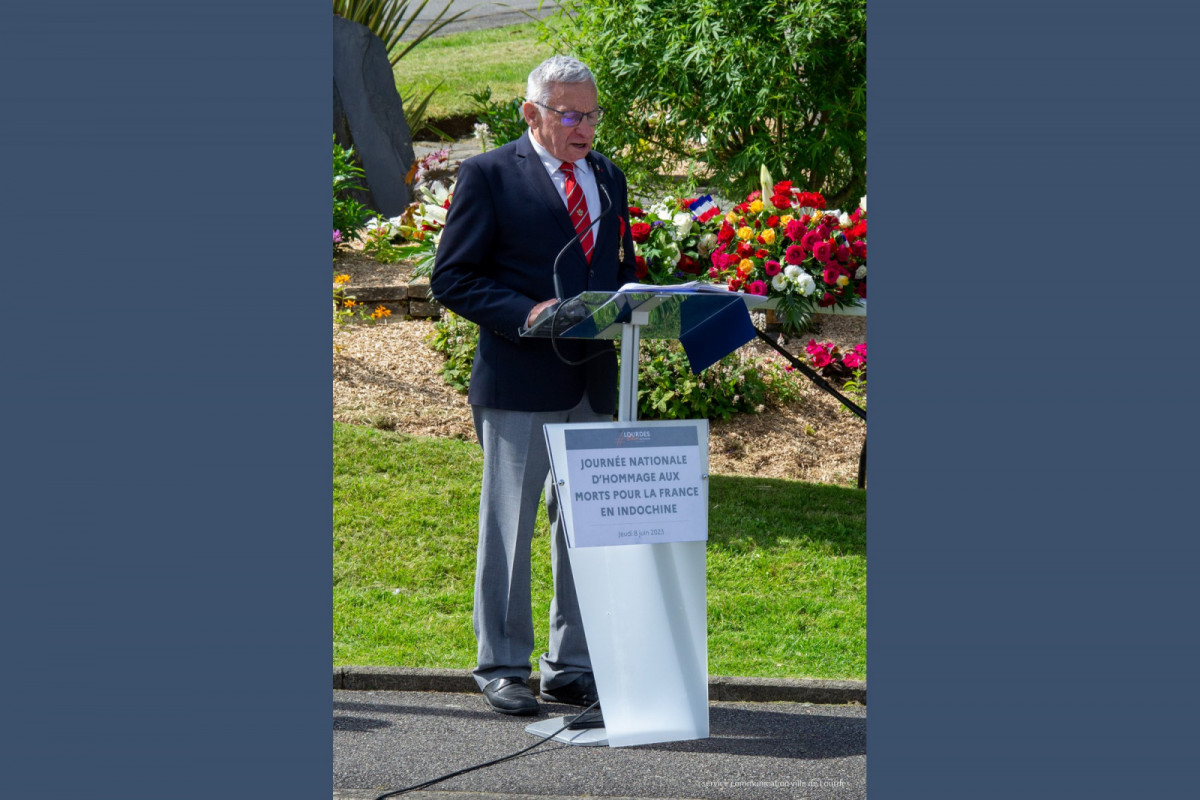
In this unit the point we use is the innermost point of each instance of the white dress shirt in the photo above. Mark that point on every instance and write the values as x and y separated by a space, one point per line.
583 176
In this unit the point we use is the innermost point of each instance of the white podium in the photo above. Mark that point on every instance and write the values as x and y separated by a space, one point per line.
639 569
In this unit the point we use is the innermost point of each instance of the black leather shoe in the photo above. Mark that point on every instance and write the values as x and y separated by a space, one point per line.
510 696
579 692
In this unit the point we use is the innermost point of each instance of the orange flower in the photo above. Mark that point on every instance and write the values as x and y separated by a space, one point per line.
341 278
380 312
349 303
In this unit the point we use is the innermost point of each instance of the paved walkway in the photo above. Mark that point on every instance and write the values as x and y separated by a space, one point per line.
384 741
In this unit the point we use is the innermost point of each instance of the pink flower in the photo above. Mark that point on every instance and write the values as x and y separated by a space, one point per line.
809 240
713 272
756 287
772 268
794 230
853 360
843 254
794 254
337 236
861 349
823 231
858 248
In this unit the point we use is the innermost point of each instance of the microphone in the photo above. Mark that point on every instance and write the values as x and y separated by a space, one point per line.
570 314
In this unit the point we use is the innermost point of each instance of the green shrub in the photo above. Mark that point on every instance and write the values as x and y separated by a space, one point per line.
349 215
455 338
667 389
503 120
730 85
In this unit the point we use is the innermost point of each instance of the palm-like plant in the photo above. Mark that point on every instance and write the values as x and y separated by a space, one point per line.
390 20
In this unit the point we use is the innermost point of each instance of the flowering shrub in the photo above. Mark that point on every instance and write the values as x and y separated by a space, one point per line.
346 308
831 362
422 223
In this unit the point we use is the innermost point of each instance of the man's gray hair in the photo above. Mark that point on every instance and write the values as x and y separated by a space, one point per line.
555 69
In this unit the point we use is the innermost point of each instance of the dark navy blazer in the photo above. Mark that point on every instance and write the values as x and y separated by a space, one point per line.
506 224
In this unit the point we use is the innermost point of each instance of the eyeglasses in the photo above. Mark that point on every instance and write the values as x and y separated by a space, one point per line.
570 119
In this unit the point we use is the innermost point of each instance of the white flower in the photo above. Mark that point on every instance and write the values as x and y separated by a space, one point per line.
862 203
805 284
683 224
779 282
439 192
661 211
844 220
860 273
792 272
436 212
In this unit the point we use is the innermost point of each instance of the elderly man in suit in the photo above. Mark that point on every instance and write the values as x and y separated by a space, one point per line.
514 209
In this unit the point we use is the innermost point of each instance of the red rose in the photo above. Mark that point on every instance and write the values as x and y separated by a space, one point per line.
858 248
861 289
810 200
756 287
772 268
641 231
761 254
822 251
634 211
842 254
826 300
809 240
745 249
781 201
783 187
689 265
726 233
642 270
831 274
734 284
794 230
794 254
772 221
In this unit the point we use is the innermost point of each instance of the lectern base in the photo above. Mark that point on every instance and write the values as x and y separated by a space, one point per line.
588 737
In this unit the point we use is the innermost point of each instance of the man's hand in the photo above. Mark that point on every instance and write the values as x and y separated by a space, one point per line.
538 309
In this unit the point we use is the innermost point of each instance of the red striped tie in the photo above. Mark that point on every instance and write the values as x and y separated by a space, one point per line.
577 208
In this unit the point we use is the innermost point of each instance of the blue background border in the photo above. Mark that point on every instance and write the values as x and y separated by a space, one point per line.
1031 545
166 569
167 553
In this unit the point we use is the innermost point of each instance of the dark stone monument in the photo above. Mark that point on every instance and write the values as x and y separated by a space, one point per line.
368 114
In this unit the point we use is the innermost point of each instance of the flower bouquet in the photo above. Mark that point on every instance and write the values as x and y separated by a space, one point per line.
791 249
669 239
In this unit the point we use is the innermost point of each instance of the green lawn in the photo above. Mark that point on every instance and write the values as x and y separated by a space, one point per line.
786 564
469 62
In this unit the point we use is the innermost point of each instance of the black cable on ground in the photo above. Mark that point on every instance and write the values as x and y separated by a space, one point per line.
567 722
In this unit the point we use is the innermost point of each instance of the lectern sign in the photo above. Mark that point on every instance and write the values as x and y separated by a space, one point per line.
635 483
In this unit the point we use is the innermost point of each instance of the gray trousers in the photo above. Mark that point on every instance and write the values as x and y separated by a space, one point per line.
516 468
